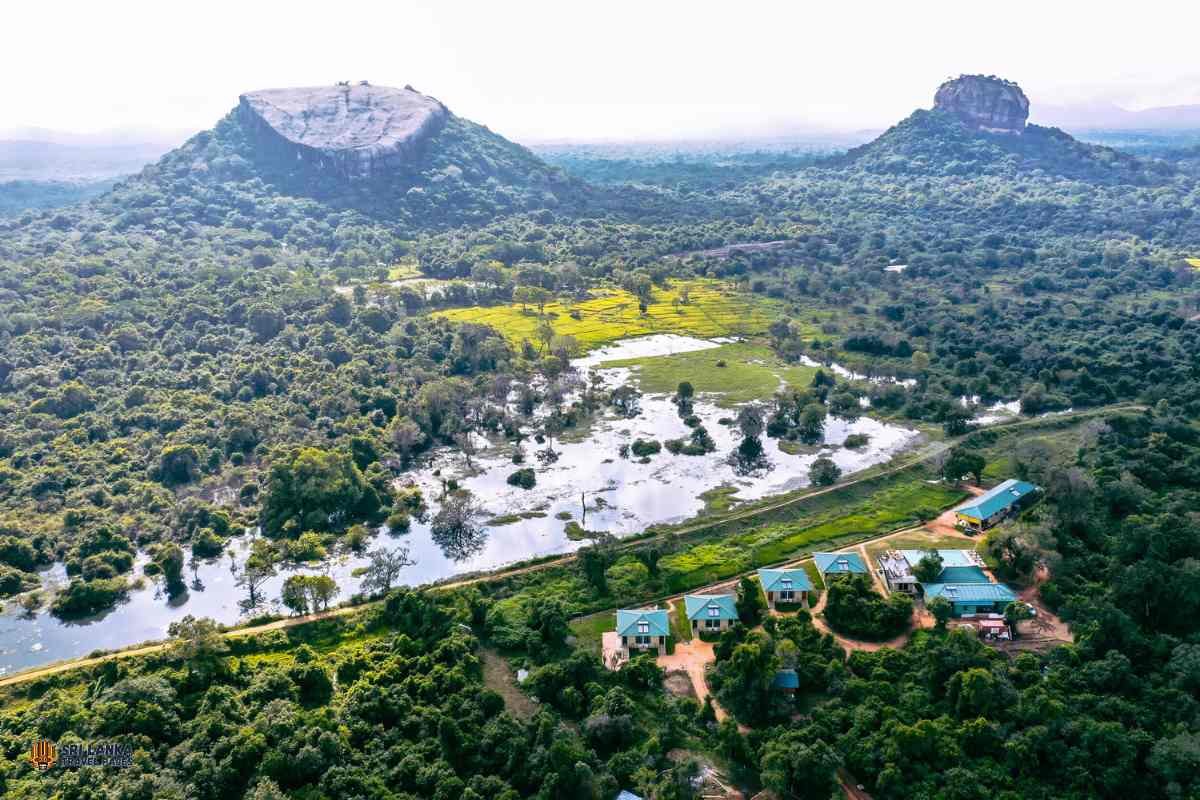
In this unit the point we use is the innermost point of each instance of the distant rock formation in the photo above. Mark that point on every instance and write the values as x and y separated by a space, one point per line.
357 131
985 102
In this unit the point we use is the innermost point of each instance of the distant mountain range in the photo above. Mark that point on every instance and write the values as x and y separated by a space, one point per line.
1108 116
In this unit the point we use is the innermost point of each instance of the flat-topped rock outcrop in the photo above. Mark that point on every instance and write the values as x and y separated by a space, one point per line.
985 102
356 130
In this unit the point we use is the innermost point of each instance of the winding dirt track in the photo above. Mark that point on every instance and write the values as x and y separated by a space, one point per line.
928 453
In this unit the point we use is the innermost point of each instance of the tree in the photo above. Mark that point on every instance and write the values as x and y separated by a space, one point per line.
294 594
318 490
548 617
962 462
406 436
750 420
956 421
594 561
383 569
258 569
811 428
200 644
196 639
929 567
794 766
170 560
750 602
455 528
178 464
942 609
824 472
321 591
1017 612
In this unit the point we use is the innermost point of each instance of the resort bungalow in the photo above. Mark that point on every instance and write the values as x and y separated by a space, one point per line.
836 565
897 567
710 612
785 585
643 629
971 599
995 505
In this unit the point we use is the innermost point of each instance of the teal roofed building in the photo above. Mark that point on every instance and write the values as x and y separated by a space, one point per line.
786 680
969 599
643 629
785 585
710 613
995 505
838 564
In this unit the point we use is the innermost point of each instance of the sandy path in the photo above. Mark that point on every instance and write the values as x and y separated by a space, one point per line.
693 658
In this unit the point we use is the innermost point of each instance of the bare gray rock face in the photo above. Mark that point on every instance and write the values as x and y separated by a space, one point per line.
357 130
985 102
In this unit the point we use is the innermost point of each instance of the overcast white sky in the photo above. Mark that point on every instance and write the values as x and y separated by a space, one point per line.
587 70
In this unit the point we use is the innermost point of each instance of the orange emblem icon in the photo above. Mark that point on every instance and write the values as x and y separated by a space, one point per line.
43 754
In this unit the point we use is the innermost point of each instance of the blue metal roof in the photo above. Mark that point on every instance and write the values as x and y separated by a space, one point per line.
839 563
774 580
656 619
962 575
786 679
696 606
992 502
970 592
627 795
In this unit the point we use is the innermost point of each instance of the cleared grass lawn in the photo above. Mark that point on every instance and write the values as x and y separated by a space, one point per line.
888 508
738 372
589 630
921 540
714 308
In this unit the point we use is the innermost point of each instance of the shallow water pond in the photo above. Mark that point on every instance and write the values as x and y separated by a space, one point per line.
589 484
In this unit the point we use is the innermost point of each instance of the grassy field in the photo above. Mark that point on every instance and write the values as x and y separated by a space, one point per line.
738 372
1001 456
588 630
878 507
714 308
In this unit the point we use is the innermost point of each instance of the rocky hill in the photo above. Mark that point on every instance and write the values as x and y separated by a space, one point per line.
397 156
978 127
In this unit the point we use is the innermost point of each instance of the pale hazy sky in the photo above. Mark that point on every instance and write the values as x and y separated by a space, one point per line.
591 70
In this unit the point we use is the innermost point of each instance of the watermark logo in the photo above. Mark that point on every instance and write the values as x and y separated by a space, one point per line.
43 754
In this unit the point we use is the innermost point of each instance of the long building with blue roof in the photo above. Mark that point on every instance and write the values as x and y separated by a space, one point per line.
995 505
962 581
967 599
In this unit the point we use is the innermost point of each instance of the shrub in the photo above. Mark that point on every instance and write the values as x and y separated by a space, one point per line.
525 478
643 448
